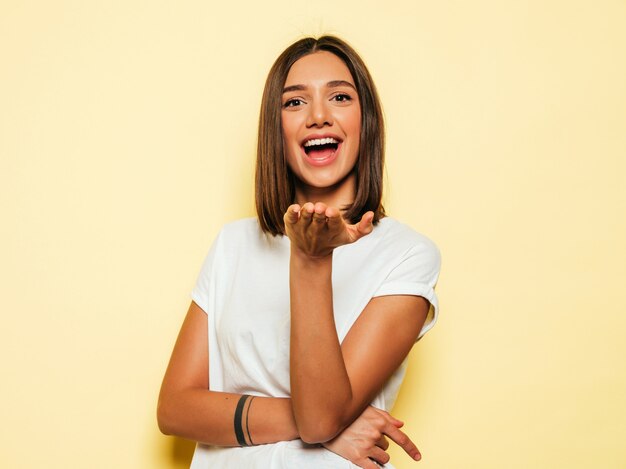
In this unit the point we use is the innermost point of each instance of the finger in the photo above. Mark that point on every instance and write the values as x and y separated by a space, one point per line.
366 225
292 214
397 422
379 455
334 218
319 213
306 213
402 440
367 463
332 212
320 207
383 443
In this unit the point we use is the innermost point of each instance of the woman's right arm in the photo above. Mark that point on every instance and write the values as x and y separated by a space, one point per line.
188 409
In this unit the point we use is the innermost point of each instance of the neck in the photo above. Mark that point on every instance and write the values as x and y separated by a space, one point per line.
339 196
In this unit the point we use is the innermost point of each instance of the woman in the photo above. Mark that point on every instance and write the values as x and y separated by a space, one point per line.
310 311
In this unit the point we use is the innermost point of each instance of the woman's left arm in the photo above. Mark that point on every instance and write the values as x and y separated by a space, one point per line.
332 383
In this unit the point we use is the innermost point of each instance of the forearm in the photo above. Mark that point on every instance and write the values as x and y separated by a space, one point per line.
320 386
208 417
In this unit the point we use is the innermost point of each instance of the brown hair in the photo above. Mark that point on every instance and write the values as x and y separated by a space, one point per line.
274 180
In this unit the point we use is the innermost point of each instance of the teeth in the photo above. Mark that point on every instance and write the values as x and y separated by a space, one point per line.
320 141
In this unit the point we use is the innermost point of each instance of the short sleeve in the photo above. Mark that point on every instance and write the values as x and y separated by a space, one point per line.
416 274
201 291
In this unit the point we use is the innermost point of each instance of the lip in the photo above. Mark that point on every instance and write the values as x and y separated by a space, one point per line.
316 136
321 161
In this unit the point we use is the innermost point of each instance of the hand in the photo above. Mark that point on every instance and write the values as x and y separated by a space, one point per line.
316 229
363 442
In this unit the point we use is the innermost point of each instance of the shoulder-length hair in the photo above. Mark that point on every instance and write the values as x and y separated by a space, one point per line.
274 180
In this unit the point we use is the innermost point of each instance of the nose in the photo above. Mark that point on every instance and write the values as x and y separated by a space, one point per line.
319 114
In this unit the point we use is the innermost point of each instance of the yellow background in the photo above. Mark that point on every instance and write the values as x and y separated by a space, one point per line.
127 138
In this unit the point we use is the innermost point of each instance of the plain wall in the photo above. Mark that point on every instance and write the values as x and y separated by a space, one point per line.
127 139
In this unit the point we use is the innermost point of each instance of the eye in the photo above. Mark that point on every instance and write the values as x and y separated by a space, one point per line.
342 98
293 102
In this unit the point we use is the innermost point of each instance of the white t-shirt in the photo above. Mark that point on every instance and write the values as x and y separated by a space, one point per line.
244 288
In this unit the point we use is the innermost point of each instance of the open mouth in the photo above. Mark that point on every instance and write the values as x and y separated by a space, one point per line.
321 148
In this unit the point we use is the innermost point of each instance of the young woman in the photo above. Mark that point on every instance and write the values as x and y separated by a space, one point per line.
305 316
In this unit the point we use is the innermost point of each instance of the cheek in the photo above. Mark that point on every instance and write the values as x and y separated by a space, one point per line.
284 124
355 131
288 147
357 120
352 120
288 138
355 127
289 125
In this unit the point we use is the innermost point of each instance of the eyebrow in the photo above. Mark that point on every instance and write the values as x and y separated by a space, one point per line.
330 84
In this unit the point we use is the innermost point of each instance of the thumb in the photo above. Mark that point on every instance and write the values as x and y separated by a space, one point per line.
365 225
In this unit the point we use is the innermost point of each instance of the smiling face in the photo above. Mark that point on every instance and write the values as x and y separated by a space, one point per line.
321 123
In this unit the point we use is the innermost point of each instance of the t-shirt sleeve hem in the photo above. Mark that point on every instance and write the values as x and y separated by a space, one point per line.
415 289
199 299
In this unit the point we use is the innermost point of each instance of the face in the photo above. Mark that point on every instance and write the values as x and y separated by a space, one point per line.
321 121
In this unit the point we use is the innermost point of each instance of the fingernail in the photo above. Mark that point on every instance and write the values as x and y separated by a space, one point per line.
417 457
